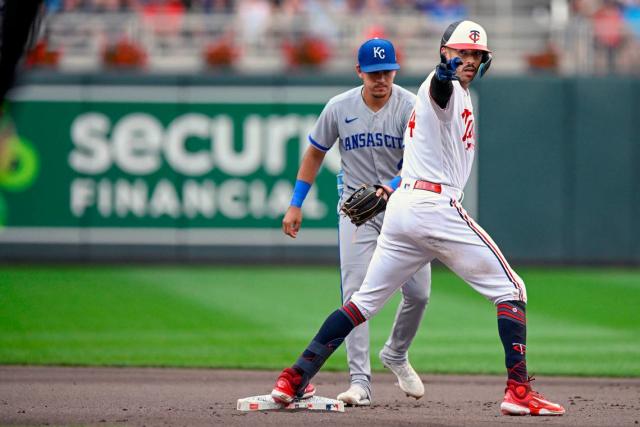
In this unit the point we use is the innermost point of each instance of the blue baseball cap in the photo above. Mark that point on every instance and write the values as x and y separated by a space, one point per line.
377 55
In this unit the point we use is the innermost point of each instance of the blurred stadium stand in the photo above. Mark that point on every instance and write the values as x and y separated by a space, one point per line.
262 36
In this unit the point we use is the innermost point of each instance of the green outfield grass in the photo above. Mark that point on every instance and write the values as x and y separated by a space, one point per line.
581 321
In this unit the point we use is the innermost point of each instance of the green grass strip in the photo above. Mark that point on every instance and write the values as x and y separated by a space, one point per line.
582 321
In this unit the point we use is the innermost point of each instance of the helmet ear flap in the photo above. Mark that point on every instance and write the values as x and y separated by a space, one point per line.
485 63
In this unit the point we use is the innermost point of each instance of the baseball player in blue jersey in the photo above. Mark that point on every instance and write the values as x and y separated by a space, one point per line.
368 123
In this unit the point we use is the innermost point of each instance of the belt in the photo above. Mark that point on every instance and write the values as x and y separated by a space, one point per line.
427 186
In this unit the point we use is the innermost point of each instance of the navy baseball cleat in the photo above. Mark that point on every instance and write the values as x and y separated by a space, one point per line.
286 389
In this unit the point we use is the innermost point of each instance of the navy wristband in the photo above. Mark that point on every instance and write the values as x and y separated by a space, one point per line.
299 193
395 183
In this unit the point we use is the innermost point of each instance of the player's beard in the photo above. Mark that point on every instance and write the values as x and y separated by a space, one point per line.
464 76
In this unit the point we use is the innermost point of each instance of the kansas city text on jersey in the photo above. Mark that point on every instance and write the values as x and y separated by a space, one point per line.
378 139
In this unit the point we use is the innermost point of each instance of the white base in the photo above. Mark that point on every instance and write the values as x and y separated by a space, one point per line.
266 403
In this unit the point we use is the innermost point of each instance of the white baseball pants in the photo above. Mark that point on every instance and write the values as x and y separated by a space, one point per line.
420 226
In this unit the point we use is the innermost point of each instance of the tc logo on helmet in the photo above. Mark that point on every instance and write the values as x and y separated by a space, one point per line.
474 35
378 52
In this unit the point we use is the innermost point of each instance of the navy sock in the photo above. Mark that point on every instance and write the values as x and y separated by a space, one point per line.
331 334
512 327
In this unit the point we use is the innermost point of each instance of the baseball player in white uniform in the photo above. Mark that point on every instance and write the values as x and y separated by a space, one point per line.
368 124
424 221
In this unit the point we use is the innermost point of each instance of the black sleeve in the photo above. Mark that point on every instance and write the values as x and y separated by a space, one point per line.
440 91
17 20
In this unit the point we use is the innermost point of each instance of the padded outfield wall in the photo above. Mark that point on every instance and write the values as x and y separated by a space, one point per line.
200 169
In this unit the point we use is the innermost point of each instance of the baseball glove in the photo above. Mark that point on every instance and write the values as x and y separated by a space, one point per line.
364 204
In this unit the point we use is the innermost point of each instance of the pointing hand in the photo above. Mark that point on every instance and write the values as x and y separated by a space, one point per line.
446 70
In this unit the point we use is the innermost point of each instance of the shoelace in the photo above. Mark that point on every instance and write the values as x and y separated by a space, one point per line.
530 379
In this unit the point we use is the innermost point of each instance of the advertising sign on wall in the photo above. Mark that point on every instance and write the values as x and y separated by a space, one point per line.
163 165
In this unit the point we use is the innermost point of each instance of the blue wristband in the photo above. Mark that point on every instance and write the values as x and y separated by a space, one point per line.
299 193
395 183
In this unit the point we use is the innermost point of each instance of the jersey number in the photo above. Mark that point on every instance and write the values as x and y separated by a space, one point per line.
468 131
412 123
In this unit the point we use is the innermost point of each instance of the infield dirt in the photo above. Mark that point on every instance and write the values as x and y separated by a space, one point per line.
194 397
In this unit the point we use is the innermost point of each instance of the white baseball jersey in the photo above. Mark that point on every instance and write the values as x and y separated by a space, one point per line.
371 143
422 225
443 147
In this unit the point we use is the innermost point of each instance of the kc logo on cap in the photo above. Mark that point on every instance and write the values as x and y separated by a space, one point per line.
379 52
377 55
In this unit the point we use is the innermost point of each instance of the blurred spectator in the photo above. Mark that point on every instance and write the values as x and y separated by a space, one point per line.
254 19
583 8
403 6
322 20
608 28
53 6
290 8
375 7
106 6
631 55
353 6
444 10
74 5
631 15
211 6
164 17
112 6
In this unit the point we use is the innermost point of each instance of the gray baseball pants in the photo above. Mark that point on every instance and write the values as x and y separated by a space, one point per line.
357 245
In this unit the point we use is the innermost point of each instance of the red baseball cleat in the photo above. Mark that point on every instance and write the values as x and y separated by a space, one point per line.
521 399
286 388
